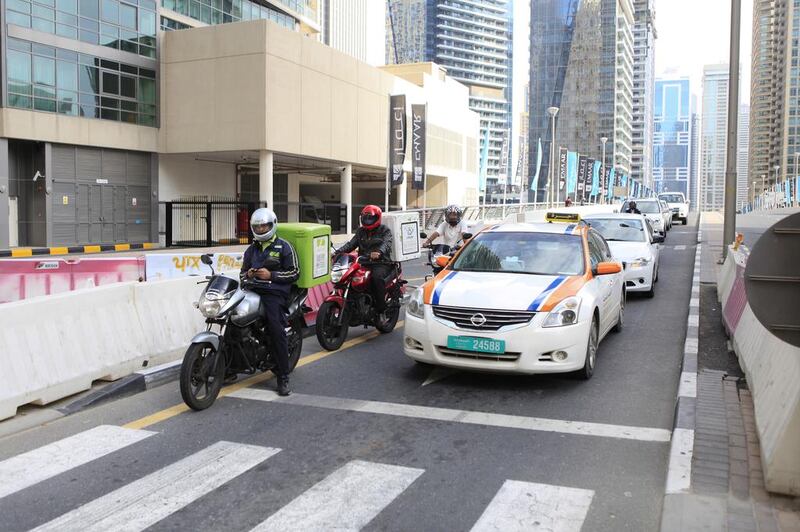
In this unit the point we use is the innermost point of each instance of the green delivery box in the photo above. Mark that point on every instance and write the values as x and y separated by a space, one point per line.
312 243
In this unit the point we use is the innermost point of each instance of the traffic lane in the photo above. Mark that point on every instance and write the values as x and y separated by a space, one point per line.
635 381
464 466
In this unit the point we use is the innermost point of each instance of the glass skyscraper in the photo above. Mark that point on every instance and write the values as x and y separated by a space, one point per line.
472 40
582 63
713 136
672 136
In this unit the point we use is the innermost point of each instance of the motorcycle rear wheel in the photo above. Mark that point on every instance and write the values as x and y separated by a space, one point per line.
200 382
294 341
386 322
332 336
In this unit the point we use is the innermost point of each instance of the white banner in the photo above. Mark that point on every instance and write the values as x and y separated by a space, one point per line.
171 266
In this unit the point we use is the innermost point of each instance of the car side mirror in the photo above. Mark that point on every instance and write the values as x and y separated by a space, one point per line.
206 259
658 239
467 236
442 261
608 268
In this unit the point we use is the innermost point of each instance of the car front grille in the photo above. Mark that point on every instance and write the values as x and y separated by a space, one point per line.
494 357
482 319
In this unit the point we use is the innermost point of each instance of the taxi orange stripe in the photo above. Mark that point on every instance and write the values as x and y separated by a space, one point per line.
430 286
568 288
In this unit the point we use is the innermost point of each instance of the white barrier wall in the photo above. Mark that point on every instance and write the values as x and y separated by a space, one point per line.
55 346
772 367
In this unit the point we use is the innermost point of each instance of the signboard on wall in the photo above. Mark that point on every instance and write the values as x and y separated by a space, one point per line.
170 266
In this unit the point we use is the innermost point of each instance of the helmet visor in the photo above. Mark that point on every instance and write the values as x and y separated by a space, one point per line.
368 219
262 229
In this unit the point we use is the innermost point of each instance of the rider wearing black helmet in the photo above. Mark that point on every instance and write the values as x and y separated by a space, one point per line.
451 230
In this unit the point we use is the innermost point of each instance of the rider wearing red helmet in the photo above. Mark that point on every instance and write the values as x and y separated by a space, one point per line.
374 241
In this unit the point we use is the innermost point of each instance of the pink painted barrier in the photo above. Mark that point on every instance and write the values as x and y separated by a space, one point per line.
26 278
737 300
316 296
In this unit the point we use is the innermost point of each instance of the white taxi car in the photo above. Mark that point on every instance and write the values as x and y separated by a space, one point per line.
631 241
520 298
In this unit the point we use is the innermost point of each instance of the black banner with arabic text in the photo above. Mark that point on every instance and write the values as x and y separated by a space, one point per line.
562 168
397 139
418 146
581 177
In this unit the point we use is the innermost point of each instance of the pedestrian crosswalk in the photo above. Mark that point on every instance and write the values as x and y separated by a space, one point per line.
348 498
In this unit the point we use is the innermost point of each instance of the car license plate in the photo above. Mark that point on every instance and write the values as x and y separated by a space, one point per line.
478 345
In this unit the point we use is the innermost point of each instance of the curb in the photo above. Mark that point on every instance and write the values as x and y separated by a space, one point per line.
679 471
30 252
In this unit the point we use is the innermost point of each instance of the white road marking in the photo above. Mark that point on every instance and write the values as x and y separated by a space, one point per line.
680 248
524 506
27 469
144 502
679 474
688 386
582 428
694 302
347 499
694 320
439 373
690 346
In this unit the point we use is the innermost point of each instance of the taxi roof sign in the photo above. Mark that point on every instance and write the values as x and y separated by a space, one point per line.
566 217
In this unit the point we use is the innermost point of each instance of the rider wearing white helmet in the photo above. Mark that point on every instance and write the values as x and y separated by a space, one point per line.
271 263
451 230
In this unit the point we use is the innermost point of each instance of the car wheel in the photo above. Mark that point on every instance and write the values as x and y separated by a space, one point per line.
684 221
591 352
655 275
652 292
621 318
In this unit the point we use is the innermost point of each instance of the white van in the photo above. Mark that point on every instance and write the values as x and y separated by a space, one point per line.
678 203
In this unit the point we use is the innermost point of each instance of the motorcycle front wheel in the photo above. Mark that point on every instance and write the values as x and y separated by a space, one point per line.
330 335
294 341
200 381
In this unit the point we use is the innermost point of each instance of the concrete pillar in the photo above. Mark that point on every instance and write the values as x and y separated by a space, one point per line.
5 190
293 195
346 194
48 191
265 181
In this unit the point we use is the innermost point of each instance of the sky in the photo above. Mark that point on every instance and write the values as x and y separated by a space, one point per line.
694 33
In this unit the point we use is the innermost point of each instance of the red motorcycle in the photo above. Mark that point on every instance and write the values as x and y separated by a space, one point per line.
350 304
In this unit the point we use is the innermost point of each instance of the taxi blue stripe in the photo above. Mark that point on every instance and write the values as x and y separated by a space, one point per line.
438 291
569 229
543 296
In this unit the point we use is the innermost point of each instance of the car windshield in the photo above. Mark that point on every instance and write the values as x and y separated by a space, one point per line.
619 230
532 253
672 198
649 207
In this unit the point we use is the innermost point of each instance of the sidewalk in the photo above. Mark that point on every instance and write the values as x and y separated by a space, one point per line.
726 484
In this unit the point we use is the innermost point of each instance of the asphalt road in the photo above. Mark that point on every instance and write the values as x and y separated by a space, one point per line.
371 440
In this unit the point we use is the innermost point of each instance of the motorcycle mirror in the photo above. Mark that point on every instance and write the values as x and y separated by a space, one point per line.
467 236
206 259
423 235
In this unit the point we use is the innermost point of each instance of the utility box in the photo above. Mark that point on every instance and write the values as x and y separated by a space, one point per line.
405 227
312 243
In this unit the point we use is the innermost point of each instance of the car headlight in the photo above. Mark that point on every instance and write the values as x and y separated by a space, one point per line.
415 305
641 262
565 313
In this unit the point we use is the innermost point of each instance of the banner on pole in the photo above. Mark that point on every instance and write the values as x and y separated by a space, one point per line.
484 162
418 146
581 176
587 184
596 178
611 182
504 169
562 168
572 172
534 184
605 182
397 139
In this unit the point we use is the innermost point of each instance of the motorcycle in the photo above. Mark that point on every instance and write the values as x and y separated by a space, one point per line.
242 344
350 303
441 250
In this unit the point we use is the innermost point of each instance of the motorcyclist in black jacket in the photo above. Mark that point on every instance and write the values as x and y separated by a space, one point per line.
374 241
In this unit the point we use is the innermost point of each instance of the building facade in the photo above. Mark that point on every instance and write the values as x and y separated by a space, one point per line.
712 138
355 27
473 42
581 63
743 157
694 152
103 116
644 37
672 136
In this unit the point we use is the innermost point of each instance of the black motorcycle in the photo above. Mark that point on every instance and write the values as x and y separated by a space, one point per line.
242 344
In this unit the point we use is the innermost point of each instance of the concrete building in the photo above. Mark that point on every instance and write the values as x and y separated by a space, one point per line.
355 27
672 136
743 156
582 63
93 137
472 41
714 133
644 37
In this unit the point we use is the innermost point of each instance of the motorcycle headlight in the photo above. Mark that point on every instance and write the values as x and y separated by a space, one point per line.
336 274
210 306
415 305
565 313
641 262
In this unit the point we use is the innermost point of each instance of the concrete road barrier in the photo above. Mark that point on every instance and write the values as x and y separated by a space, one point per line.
772 367
57 345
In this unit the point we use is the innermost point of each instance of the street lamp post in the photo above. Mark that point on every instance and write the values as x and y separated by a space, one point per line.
775 187
603 169
551 188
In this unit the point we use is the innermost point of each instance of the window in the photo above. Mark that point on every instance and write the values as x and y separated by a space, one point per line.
596 253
